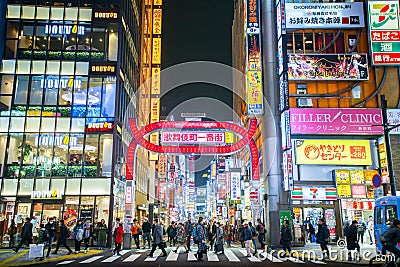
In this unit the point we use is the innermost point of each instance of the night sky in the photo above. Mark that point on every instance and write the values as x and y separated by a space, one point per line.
196 30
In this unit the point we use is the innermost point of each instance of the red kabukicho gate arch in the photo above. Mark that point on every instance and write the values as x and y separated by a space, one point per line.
245 135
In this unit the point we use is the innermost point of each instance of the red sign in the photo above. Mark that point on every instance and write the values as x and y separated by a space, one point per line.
100 127
254 194
193 137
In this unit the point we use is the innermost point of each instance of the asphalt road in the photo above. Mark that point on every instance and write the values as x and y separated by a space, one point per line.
232 257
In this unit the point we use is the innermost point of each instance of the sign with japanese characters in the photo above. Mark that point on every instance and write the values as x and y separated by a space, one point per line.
285 130
156 57
253 52
358 191
343 191
283 91
162 166
253 16
393 117
157 20
324 15
168 137
235 186
384 29
333 152
254 93
336 121
287 170
342 177
327 67
357 177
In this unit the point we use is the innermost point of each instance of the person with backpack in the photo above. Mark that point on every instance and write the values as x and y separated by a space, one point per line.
351 238
390 238
200 237
254 236
78 236
361 231
323 236
62 240
219 238
180 238
188 230
286 237
26 234
51 229
261 233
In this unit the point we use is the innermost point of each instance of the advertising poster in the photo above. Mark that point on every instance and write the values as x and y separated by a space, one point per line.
342 177
254 93
358 191
333 152
370 191
253 52
369 174
284 215
357 177
327 67
343 191
235 186
383 160
253 16
384 30
393 117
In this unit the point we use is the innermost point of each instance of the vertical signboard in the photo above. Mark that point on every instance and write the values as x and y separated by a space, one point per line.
384 30
253 17
287 170
254 93
235 187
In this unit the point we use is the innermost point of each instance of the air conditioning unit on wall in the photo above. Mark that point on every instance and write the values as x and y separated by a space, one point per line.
304 102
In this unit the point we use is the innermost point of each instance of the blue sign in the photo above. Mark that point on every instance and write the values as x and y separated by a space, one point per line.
377 180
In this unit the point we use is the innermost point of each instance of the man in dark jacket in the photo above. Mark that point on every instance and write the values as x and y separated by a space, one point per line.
51 229
248 238
62 240
146 228
261 233
323 236
188 231
26 235
158 238
286 237
171 231
392 237
351 238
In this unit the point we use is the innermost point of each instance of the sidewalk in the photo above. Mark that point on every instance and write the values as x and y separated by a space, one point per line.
9 258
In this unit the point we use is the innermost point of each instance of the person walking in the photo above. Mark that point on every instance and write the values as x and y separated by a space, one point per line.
119 232
261 233
171 232
242 238
180 238
87 234
43 238
135 232
52 231
114 232
361 231
201 239
370 229
248 238
351 238
158 239
254 237
219 239
188 231
78 236
146 228
307 230
101 234
286 237
62 240
26 234
323 237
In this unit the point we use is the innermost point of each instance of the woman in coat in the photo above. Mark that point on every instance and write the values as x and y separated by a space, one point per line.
101 234
78 236
219 238
201 237
180 238
351 238
118 239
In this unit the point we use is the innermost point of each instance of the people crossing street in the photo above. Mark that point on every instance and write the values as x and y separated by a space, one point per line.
26 235
158 238
62 240
146 228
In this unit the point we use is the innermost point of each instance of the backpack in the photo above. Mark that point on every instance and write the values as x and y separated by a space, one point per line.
194 234
360 228
79 234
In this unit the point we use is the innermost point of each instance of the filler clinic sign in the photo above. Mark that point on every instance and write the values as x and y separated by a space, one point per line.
324 15
384 29
336 121
333 152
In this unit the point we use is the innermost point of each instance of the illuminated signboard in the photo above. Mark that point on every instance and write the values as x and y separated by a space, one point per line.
156 58
327 67
55 140
155 81
324 15
254 93
155 109
103 68
336 152
192 137
253 52
49 194
235 186
105 14
157 20
100 127
60 83
384 29
253 16
60 29
393 117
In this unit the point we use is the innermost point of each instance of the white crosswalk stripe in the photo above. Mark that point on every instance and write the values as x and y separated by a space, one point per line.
155 256
318 262
295 260
65 262
211 256
111 259
123 252
132 258
251 258
191 256
173 256
270 257
231 256
92 259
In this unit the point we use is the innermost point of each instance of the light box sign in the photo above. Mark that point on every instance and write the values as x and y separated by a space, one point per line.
336 121
254 93
193 137
103 68
384 29
253 52
60 29
253 16
235 186
105 15
99 127
393 117
49 194
333 152
324 15
327 67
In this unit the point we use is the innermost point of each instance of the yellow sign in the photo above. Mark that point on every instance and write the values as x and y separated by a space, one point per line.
157 21
155 81
254 88
155 110
357 177
229 137
342 177
343 191
153 156
157 2
156 58
333 152
369 174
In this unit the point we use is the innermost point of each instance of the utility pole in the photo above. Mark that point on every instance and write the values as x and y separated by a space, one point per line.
386 130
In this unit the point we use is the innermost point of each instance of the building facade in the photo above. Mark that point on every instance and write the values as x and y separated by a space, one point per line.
66 86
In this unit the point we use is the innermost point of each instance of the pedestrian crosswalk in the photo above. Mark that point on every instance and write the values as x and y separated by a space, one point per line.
230 255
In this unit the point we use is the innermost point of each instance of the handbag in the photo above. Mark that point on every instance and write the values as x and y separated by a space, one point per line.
36 251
